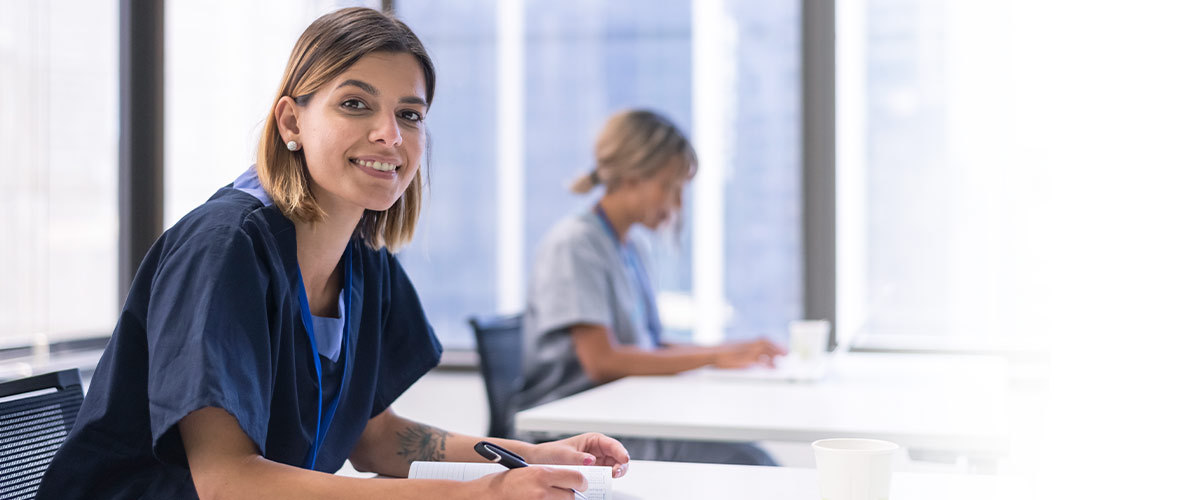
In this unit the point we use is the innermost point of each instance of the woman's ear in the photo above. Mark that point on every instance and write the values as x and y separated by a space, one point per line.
287 119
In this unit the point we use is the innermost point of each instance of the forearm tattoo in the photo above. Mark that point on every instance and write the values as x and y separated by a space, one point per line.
421 442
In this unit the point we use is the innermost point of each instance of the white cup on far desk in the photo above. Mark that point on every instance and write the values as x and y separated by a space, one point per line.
808 340
854 469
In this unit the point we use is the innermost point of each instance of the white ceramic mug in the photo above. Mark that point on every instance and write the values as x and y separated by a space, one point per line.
853 468
808 339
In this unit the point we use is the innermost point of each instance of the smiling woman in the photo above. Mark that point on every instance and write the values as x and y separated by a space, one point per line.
267 333
384 86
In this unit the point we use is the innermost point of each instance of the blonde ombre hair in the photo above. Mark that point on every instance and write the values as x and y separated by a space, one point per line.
328 47
636 143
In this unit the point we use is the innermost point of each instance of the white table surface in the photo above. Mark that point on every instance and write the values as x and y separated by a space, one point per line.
671 481
921 402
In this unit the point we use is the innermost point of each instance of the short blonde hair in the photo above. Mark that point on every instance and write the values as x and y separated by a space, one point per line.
636 143
328 47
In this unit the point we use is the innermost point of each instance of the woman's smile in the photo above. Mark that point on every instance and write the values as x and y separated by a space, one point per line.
377 168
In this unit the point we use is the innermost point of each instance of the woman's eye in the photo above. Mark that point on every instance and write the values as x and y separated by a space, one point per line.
411 116
354 104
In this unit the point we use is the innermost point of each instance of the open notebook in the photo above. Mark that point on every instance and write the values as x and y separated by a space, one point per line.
599 478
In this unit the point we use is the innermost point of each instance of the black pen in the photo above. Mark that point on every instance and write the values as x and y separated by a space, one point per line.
495 453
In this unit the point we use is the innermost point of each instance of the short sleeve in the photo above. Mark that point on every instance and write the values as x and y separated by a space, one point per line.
570 285
409 347
208 336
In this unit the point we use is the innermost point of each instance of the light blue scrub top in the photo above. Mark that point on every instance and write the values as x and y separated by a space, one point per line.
580 275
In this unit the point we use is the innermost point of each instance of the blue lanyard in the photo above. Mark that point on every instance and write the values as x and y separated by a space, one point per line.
324 417
632 260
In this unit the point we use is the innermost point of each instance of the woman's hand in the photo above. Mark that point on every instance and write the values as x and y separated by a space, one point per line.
536 483
585 449
744 354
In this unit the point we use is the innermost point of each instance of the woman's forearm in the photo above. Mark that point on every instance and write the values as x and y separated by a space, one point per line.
605 360
625 361
225 464
259 478
391 443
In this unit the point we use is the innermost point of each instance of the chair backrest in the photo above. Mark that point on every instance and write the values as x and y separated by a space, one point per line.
33 427
498 340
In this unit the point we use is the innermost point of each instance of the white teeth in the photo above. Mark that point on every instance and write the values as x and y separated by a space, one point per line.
380 166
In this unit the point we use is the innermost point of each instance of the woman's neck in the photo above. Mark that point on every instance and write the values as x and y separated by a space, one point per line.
319 248
618 215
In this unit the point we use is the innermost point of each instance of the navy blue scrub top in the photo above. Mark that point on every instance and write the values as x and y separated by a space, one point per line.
213 319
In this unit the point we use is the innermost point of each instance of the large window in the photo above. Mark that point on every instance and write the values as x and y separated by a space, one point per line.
58 170
453 259
931 238
524 87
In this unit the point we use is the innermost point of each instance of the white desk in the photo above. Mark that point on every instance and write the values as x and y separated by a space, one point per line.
929 403
671 481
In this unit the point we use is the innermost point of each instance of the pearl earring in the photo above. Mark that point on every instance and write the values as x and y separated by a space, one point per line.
292 146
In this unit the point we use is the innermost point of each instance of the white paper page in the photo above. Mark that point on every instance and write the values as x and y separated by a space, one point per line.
599 478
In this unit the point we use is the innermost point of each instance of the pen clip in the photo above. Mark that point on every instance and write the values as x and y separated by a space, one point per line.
494 452
487 453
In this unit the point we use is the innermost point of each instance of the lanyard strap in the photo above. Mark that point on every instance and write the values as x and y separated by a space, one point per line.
653 325
324 418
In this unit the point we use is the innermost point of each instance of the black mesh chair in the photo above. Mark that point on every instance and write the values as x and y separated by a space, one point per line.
498 340
36 414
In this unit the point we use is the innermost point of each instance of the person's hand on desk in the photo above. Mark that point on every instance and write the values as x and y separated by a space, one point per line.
747 353
549 483
585 449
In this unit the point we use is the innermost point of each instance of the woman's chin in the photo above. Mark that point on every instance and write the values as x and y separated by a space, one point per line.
379 208
380 205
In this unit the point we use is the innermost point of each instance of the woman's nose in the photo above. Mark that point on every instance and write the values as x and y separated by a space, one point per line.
387 133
